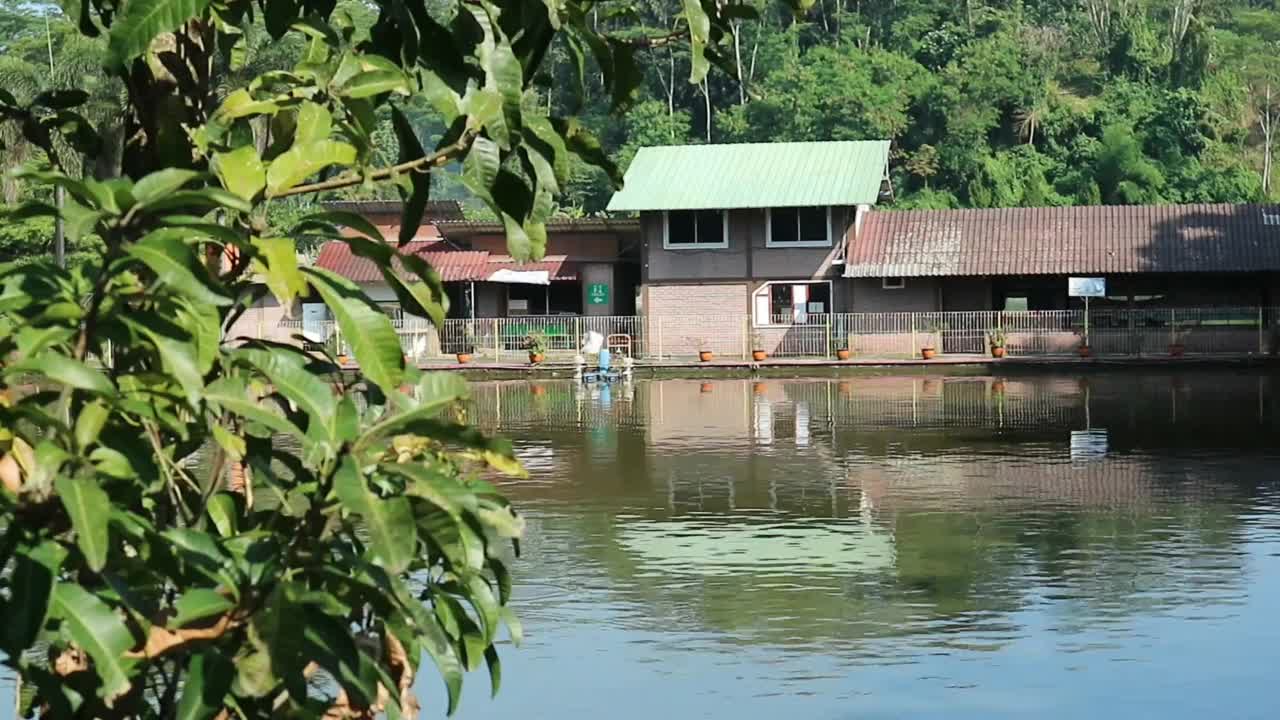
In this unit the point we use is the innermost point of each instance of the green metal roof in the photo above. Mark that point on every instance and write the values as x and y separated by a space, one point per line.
757 175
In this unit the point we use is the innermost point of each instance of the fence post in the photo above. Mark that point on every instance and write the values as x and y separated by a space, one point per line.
1262 348
659 317
497 340
577 333
913 335
746 337
337 338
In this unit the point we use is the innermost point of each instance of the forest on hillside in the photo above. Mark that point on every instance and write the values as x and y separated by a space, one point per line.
989 103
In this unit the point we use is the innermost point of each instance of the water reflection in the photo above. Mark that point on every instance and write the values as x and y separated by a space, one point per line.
890 546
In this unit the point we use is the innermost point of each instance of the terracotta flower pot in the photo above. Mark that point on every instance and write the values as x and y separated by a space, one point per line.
1084 351
464 358
842 354
1177 350
706 387
759 355
759 388
343 359
997 351
536 358
705 355
928 353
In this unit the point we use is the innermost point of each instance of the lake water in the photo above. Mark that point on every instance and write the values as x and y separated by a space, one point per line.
1102 545
910 546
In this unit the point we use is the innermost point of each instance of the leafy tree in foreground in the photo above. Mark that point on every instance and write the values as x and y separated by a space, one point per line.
197 526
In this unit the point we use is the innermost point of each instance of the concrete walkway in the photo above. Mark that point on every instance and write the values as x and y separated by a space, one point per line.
948 360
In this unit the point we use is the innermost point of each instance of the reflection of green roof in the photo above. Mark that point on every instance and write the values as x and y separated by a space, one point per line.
797 174
713 548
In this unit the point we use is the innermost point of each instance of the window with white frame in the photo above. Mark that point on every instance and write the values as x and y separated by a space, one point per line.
798 227
787 303
695 229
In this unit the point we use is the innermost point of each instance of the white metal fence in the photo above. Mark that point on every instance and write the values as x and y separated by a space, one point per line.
872 335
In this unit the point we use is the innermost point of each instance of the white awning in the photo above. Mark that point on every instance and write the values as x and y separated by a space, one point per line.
521 277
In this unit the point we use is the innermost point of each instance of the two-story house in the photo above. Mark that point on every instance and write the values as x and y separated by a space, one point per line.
748 234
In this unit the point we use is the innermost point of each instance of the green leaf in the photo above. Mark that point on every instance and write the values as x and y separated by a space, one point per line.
204 199
178 358
161 184
232 398
87 506
392 533
241 171
314 123
278 265
699 36
204 686
375 82
143 20
198 604
172 261
29 587
302 161
291 380
99 631
224 514
436 488
234 445
67 371
495 670
241 104
480 169
436 390
89 423
366 328
415 201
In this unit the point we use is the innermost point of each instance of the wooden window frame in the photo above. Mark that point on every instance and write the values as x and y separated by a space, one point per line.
695 245
768 231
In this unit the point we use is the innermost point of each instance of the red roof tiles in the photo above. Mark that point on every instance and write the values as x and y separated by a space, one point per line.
1068 240
453 265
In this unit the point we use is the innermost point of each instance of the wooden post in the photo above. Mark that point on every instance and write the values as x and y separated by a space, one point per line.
337 334
497 340
746 337
913 338
826 351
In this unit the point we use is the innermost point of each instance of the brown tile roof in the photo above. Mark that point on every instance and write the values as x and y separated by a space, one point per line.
1068 240
453 265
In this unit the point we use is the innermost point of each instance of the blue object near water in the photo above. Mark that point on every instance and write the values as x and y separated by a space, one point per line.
604 361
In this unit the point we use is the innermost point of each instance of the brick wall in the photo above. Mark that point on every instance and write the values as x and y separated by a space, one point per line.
683 319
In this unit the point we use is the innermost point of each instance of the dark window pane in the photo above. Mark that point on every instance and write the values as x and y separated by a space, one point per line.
680 227
782 225
710 227
780 305
813 225
820 293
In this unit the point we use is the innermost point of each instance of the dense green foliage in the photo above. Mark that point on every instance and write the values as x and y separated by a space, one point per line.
198 525
989 102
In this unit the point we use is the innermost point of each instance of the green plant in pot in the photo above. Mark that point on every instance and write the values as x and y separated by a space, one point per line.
536 343
758 353
996 339
933 338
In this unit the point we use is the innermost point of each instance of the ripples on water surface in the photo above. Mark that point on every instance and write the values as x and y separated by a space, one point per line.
882 547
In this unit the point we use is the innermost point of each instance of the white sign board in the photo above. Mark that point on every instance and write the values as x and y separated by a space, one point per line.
1089 444
314 316
1086 287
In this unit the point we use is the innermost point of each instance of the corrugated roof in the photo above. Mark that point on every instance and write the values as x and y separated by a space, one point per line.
755 175
1066 241
453 265
554 265
435 210
463 228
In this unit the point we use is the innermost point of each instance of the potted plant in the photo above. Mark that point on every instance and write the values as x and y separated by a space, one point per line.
468 346
929 351
843 353
996 339
704 355
536 343
757 343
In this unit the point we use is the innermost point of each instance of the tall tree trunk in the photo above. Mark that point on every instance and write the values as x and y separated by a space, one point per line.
706 95
737 58
1266 121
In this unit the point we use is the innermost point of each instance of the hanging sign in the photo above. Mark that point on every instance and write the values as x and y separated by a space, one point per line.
1087 287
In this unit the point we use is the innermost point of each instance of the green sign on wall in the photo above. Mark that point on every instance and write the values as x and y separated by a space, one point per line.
598 294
